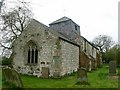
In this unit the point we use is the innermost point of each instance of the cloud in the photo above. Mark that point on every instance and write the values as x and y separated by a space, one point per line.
94 16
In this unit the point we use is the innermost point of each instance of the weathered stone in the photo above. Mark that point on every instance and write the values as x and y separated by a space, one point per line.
46 51
12 77
85 61
112 68
45 72
41 44
119 74
82 76
57 66
90 54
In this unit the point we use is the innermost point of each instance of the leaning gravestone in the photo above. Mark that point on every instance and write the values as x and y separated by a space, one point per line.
112 68
82 76
12 77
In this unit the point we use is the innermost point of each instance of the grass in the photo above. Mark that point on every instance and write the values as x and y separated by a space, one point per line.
0 77
96 79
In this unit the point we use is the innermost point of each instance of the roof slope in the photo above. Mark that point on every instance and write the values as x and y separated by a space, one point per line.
61 20
55 32
89 42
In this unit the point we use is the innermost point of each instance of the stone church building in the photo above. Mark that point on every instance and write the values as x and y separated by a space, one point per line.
52 51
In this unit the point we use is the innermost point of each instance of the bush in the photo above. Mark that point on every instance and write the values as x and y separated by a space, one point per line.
6 61
112 54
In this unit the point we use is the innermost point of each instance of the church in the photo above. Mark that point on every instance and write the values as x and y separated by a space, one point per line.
53 51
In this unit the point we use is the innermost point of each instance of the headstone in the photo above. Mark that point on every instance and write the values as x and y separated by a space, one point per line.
11 76
119 74
45 72
82 76
57 66
112 68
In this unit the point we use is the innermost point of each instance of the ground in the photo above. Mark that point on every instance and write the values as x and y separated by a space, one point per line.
96 79
0 78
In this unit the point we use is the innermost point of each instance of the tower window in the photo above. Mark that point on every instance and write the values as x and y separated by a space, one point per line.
75 27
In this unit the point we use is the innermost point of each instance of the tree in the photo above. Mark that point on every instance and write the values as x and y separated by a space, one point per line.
1 3
113 54
13 23
103 42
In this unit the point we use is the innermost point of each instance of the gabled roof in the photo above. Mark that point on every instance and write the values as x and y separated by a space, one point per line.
61 20
61 36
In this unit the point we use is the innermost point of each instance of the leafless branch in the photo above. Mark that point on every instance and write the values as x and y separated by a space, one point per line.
13 23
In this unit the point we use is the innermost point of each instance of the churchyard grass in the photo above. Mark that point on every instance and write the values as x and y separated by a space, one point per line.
0 77
97 79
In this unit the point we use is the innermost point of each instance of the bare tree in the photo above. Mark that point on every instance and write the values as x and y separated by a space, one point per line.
13 22
103 42
1 3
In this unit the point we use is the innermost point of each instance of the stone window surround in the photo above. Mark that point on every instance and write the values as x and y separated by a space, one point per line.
32 56
32 53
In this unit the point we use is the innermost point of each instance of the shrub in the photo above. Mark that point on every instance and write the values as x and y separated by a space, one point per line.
6 61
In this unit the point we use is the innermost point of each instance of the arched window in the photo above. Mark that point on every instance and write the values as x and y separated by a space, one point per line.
32 53
29 56
36 55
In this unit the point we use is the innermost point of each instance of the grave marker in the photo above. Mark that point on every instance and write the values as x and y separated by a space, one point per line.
11 76
45 72
82 76
112 68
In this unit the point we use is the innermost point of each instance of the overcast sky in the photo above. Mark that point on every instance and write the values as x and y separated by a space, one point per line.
94 17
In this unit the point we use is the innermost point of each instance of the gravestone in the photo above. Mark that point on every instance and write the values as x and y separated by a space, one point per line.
119 75
57 66
112 68
45 72
82 76
12 77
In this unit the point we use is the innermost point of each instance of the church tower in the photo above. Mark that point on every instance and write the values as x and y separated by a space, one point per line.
66 27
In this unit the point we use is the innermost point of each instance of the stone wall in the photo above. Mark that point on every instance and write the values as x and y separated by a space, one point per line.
85 62
56 54
58 57
90 55
45 41
70 57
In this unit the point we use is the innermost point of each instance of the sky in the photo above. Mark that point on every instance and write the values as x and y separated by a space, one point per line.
95 17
